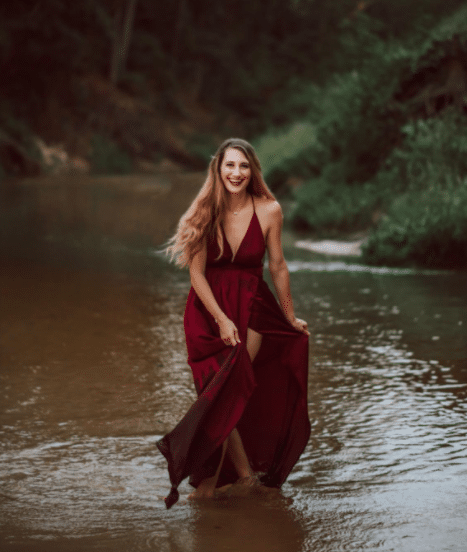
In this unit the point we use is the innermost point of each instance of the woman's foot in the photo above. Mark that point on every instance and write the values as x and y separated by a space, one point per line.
204 490
251 480
207 487
246 486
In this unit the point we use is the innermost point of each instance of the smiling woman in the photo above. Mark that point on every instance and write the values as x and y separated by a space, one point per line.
235 172
249 357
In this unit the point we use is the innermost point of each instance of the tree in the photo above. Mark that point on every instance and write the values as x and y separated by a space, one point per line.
123 27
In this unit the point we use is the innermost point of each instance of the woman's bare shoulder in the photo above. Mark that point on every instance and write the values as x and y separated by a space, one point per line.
269 214
269 208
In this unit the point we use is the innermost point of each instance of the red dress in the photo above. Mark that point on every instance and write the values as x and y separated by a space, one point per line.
266 401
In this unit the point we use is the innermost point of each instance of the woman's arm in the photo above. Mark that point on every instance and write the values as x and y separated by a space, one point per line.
227 329
278 267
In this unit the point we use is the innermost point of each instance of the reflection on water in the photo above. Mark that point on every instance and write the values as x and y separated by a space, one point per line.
93 371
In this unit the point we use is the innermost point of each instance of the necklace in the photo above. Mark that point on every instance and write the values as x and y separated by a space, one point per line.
241 209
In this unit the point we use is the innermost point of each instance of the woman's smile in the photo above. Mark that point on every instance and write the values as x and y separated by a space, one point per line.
235 170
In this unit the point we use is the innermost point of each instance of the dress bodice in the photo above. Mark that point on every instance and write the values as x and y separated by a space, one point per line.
250 252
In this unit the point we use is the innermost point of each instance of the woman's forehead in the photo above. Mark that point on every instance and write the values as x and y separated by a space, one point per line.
234 154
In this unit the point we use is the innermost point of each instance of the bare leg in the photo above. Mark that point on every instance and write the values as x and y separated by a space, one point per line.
253 343
235 446
207 486
238 455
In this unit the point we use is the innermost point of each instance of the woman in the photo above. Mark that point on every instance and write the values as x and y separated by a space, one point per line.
248 355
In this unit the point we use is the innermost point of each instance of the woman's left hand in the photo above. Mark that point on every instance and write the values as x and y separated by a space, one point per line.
300 325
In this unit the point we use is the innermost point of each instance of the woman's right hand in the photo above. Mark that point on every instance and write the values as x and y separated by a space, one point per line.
228 332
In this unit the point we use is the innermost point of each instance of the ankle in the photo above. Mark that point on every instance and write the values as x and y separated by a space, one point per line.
247 472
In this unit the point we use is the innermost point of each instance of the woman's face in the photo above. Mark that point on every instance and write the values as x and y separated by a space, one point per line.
235 171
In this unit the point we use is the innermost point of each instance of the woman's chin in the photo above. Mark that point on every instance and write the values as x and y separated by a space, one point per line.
235 190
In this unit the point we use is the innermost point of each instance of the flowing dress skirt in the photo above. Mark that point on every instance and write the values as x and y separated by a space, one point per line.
265 400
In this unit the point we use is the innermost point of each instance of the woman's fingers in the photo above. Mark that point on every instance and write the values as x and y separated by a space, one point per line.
231 336
228 332
233 339
301 325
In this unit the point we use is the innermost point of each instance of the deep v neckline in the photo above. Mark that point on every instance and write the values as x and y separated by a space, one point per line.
234 255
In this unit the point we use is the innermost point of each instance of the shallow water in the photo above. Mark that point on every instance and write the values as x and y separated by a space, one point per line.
93 372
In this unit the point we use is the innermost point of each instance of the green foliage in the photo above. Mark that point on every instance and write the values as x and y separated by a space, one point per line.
354 116
348 114
277 149
356 125
428 228
433 153
323 206
202 146
428 222
108 158
322 102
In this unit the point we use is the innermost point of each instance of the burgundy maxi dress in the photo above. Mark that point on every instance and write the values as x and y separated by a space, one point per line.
265 400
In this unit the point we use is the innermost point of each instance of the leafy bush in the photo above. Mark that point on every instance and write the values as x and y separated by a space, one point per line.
326 204
428 228
280 151
428 223
367 153
433 153
347 123
108 158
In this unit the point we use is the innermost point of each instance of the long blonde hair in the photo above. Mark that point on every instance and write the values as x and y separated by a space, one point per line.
202 220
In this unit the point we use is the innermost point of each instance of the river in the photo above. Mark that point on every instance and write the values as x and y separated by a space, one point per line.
93 372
